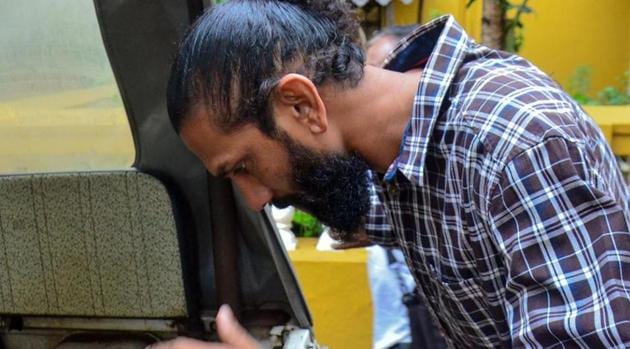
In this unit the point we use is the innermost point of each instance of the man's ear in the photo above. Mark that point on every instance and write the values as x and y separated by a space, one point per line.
296 102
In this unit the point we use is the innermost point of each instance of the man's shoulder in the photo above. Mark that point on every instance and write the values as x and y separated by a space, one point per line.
509 105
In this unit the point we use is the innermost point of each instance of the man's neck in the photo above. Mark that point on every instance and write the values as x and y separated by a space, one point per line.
373 116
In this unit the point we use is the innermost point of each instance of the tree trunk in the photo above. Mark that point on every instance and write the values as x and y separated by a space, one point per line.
492 24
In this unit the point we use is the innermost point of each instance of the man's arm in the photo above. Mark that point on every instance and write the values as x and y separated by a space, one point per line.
566 241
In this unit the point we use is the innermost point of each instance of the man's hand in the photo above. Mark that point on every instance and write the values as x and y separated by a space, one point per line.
231 333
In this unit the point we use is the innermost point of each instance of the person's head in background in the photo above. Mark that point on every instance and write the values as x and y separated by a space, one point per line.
384 42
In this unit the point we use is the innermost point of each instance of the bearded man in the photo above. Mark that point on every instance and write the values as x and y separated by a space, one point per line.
501 192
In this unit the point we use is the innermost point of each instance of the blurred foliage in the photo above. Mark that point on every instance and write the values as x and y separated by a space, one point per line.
580 84
514 26
305 225
513 37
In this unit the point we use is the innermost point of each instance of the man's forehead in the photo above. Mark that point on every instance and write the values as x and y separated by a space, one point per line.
194 125
207 118
211 143
201 123
201 136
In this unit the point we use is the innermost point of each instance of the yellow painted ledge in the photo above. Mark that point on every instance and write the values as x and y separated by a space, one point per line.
336 288
615 124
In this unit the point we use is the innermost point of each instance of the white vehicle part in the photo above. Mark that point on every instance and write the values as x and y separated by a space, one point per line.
299 339
290 337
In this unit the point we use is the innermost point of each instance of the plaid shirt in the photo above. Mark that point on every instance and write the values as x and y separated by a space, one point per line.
506 201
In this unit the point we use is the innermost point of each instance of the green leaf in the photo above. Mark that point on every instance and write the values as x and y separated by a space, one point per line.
305 225
582 99
610 95
580 82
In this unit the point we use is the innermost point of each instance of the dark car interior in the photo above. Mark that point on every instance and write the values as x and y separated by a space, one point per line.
125 258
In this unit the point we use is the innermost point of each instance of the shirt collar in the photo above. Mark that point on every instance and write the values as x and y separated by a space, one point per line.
439 48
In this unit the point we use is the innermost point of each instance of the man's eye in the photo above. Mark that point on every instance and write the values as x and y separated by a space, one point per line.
240 168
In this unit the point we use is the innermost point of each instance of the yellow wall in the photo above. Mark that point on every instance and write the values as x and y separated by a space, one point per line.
564 34
559 37
469 18
406 14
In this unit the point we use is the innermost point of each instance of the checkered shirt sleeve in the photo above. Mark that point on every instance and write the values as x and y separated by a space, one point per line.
566 243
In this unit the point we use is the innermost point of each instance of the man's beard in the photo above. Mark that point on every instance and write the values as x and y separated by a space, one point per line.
332 187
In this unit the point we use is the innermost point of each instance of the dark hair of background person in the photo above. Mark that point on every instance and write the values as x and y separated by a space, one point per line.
234 55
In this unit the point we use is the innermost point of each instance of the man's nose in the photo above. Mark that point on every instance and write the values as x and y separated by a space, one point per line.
256 194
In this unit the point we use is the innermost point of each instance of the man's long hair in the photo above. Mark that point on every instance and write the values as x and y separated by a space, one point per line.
233 56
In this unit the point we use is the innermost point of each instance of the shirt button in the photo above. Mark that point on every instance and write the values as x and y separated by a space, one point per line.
393 189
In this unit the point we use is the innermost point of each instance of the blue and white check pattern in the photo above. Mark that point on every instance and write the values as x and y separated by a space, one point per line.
506 201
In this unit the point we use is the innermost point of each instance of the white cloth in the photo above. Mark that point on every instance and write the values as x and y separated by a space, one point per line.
325 242
284 219
388 283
